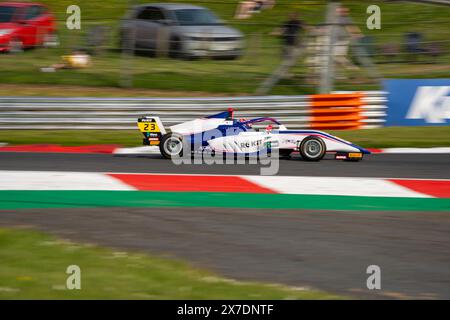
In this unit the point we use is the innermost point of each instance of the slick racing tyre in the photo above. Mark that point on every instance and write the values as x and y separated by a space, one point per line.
312 148
171 145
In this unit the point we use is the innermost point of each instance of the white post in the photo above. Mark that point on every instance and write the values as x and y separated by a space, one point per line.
327 69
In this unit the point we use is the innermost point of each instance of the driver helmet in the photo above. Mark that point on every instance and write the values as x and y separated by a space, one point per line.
269 128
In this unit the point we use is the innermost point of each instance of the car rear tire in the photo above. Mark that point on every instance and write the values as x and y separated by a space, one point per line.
171 146
312 148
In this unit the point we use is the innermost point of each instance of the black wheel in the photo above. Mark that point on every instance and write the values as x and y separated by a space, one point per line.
175 48
312 148
171 145
230 57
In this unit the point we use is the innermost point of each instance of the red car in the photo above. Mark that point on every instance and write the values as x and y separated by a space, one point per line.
25 25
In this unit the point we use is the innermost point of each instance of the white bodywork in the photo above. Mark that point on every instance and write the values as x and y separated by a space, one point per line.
251 142
255 141
199 125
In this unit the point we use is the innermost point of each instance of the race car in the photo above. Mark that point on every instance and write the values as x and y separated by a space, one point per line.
222 133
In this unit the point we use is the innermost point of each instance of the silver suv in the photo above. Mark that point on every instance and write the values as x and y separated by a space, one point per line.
182 30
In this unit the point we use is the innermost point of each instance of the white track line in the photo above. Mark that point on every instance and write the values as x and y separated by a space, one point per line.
155 150
138 150
334 186
417 150
53 180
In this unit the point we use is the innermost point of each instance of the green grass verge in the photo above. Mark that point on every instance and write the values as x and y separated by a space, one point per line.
39 90
130 138
28 199
373 138
33 266
262 56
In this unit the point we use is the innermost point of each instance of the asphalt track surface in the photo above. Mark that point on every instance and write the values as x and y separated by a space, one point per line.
433 166
328 250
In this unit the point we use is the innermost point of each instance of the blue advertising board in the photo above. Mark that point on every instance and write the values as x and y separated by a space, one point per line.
418 102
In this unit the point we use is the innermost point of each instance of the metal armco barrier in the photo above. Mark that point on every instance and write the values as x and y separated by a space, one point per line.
121 113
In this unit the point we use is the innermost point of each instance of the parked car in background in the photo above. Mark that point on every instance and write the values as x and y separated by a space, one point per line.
24 25
182 30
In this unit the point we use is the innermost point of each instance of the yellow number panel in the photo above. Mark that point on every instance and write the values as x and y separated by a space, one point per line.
148 127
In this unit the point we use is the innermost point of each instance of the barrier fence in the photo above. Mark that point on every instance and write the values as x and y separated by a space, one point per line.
334 111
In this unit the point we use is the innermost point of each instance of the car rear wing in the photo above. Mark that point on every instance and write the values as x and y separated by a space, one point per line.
152 128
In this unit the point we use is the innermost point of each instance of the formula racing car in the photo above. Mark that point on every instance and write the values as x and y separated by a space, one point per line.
222 133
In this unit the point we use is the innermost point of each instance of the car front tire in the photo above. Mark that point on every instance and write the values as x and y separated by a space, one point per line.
312 148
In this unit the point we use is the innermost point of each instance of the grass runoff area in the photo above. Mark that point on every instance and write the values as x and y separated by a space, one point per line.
33 266
369 138
262 55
